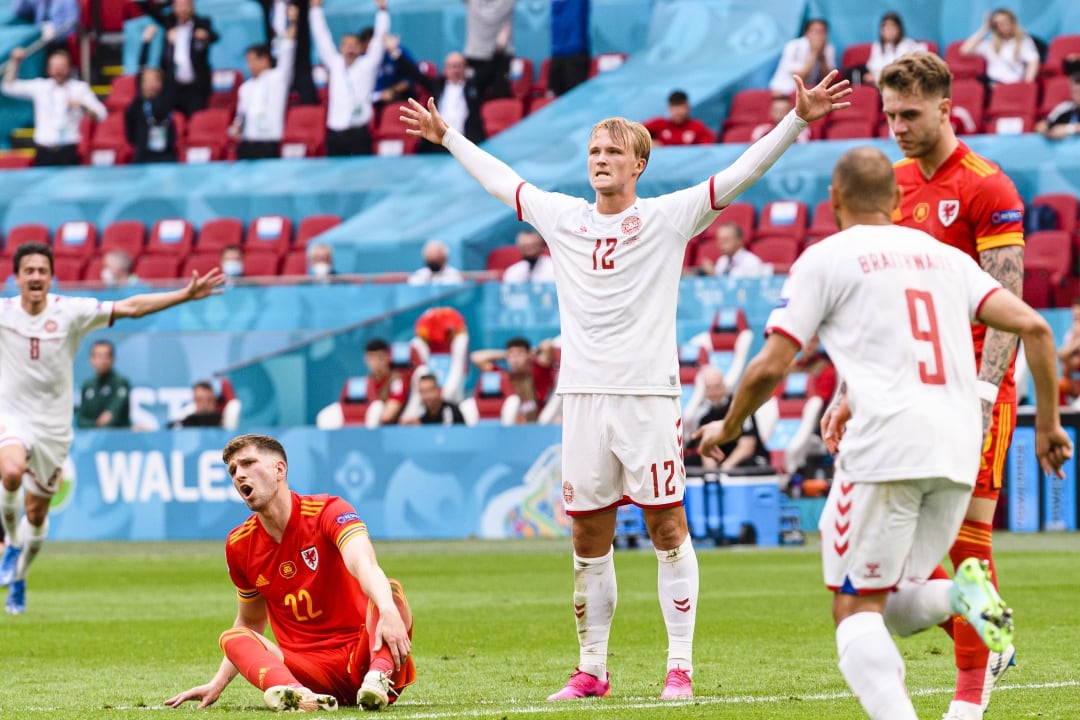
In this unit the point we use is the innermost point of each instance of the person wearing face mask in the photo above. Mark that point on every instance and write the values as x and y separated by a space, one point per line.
116 270
437 270
534 265
232 261
320 261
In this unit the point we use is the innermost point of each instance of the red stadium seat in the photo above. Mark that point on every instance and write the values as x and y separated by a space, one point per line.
126 235
1051 249
354 400
856 55
109 145
741 213
270 233
207 135
225 84
539 102
217 234
749 107
502 257
851 129
76 239
521 77
739 133
260 263
540 87
1012 104
691 358
203 261
92 270
1062 48
305 132
69 269
964 67
787 218
22 234
15 160
295 263
122 91
501 113
970 95
823 223
390 136
172 236
605 62
157 267
1065 205
865 105
492 390
1039 285
314 225
780 252
1055 90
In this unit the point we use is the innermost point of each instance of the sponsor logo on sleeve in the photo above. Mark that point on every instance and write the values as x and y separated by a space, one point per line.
347 517
781 304
1001 217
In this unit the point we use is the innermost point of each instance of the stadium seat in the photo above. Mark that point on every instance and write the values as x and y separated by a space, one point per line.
1038 285
780 252
22 234
727 341
606 62
749 107
207 135
1010 105
856 55
69 268
109 145
970 95
1055 90
122 90
502 257
1051 249
540 87
823 223
91 271
741 213
851 129
172 236
964 67
494 397
269 233
742 133
783 217
501 113
1061 48
225 85
261 263
294 264
314 225
521 77
798 410
692 356
865 105
390 136
1065 205
354 401
15 160
305 132
217 234
157 267
539 102
77 239
126 235
204 261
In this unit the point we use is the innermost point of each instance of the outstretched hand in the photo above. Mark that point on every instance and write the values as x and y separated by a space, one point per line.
424 122
206 694
822 99
206 285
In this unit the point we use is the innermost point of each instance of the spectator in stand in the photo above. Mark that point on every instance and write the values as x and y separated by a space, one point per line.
185 59
810 56
353 70
320 261
104 398
456 96
534 266
748 450
814 361
260 109
1010 53
436 411
780 106
392 83
678 128
489 29
570 55
275 20
436 270
383 384
532 375
735 260
60 102
204 407
1064 120
891 44
148 121
232 262
57 19
116 270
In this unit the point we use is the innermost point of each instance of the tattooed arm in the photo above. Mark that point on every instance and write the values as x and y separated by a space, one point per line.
1006 264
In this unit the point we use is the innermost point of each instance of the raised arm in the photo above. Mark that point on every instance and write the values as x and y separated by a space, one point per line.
320 33
969 45
149 303
11 84
498 178
359 557
810 104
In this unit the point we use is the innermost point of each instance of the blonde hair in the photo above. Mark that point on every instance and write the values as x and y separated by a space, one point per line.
917 73
1019 35
628 134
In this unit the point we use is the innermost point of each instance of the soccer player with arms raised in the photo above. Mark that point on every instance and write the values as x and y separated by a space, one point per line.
965 201
617 266
894 305
39 336
305 563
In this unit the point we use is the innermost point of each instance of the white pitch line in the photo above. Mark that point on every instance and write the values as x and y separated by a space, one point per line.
401 710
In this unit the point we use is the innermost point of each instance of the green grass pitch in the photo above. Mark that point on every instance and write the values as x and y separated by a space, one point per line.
114 629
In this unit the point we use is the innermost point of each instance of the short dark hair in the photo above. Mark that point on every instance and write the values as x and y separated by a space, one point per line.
518 342
232 246
365 34
259 50
106 343
377 345
863 179
735 228
895 17
60 51
263 443
811 21
32 248
204 384
678 97
1075 78
429 376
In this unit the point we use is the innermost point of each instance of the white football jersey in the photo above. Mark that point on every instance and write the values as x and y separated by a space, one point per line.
37 353
892 307
617 280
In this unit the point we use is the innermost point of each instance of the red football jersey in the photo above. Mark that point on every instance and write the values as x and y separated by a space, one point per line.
313 600
969 204
391 387
691 132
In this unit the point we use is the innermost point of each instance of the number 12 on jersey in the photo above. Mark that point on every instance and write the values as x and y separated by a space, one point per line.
924 328
603 261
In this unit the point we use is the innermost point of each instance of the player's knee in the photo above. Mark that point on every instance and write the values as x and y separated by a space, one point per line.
11 474
668 531
36 515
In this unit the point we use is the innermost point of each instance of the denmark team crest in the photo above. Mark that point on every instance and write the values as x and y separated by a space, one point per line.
948 211
310 556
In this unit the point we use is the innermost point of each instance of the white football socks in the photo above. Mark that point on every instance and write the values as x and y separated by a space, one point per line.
10 509
873 668
33 538
595 595
677 583
916 606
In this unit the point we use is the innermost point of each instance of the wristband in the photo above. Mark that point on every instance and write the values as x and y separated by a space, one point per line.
986 390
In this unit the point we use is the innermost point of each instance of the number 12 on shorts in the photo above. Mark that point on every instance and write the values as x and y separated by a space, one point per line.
666 486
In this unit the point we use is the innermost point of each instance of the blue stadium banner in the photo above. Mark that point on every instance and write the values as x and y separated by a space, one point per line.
405 482
1059 496
1023 486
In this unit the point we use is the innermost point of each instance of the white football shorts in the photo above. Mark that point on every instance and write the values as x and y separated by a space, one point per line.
45 456
876 534
619 449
